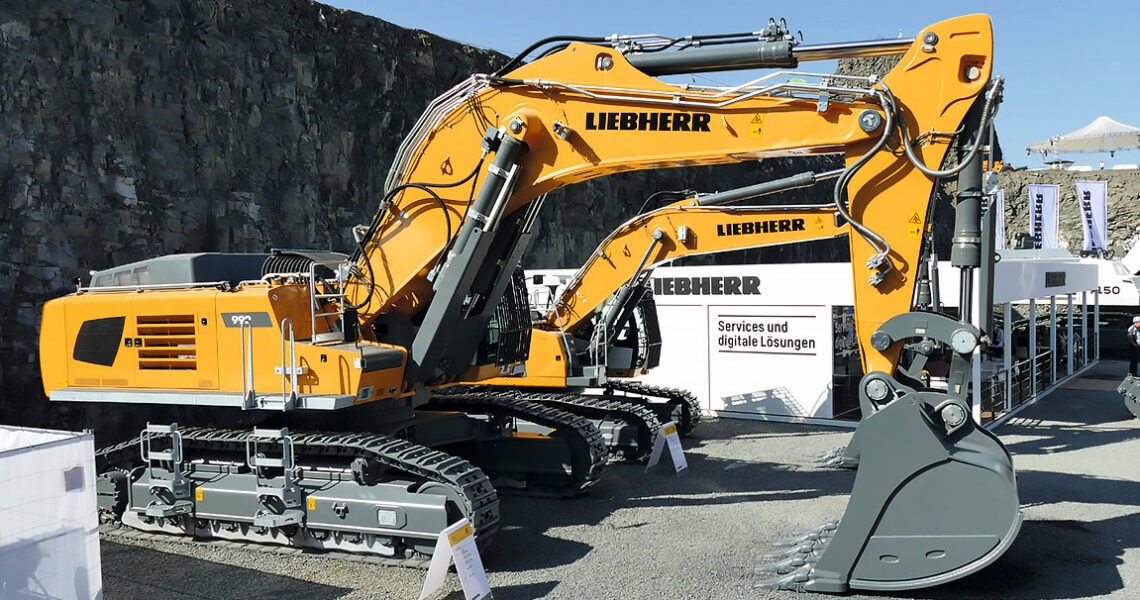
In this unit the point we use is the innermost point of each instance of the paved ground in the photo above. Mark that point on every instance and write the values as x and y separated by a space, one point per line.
700 535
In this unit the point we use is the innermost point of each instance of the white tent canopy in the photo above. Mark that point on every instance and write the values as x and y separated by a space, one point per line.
1102 135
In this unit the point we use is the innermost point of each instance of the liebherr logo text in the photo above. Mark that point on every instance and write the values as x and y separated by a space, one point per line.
706 286
647 121
770 226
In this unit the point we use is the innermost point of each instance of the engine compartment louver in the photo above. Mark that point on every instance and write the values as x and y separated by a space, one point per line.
167 342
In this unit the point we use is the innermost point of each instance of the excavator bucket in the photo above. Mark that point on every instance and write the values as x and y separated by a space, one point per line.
935 499
1130 389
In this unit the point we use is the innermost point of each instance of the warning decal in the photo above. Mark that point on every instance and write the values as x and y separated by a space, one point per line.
756 125
914 226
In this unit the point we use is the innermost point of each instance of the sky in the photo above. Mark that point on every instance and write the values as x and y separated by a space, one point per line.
1064 63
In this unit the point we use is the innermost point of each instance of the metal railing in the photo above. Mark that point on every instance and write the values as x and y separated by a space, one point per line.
317 299
1006 389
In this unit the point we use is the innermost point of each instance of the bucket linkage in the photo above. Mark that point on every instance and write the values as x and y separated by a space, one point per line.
935 496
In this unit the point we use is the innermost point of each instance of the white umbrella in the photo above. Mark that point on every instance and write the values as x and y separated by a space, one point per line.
1102 135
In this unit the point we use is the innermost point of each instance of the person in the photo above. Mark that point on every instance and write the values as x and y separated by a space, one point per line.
1134 346
997 341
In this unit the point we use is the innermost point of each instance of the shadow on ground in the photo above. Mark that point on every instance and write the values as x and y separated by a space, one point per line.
212 581
707 482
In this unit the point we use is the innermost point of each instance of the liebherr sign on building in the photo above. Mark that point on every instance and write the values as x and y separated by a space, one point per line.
754 340
778 341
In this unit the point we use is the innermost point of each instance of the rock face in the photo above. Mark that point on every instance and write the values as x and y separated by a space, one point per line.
135 128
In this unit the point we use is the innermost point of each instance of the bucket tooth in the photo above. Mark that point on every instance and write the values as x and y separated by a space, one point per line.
794 581
806 552
786 562
934 499
830 454
823 530
838 458
802 549
783 567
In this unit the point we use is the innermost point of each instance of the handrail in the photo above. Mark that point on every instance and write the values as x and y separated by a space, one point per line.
152 287
245 329
315 298
599 345
288 369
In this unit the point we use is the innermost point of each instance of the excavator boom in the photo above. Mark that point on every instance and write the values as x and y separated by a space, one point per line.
679 231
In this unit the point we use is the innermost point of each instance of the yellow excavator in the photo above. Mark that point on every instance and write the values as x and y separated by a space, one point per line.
602 325
336 359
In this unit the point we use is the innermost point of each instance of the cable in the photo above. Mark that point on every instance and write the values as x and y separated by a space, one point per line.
518 59
962 162
876 241
359 253
673 195
890 108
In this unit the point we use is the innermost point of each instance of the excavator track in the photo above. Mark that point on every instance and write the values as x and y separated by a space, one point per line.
629 427
369 462
676 400
117 532
615 415
585 447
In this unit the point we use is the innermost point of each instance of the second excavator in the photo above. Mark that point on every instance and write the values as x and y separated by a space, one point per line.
337 360
602 325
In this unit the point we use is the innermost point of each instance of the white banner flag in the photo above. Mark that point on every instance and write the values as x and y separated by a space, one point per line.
1092 199
1043 214
999 219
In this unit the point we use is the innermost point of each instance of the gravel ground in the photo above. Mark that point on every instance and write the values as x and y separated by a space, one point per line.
700 534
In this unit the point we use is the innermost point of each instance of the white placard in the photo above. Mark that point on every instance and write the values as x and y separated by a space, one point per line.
668 435
768 359
458 542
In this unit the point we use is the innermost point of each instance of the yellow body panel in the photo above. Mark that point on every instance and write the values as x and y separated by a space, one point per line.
191 339
936 90
546 366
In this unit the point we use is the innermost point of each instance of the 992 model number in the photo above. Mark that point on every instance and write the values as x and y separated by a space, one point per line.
246 319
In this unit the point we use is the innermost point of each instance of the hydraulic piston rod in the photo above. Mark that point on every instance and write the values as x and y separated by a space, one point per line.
784 54
768 187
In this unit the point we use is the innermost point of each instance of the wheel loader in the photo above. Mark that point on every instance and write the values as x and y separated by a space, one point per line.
335 359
